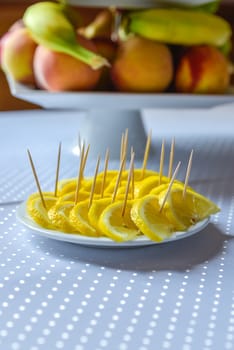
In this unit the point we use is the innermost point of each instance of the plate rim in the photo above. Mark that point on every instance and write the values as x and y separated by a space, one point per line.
23 218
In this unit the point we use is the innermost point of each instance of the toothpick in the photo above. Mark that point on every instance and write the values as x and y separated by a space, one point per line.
161 166
79 142
84 161
171 159
105 171
121 148
125 146
79 175
133 177
36 179
170 186
146 154
188 173
118 180
94 183
130 172
57 170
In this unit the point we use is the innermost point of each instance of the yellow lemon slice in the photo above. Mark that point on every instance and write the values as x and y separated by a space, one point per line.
96 210
146 216
139 175
66 186
124 177
144 187
37 211
80 221
115 226
191 208
59 216
70 196
164 186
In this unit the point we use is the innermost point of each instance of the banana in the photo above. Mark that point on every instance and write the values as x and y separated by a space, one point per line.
179 26
49 26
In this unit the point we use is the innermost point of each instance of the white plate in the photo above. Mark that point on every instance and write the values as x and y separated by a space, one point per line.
116 100
103 242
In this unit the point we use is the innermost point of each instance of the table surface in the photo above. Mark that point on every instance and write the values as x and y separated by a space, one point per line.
57 295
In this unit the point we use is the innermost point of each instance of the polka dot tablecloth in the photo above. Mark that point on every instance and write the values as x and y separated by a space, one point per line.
56 295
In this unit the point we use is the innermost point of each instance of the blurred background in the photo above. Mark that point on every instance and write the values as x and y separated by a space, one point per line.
12 10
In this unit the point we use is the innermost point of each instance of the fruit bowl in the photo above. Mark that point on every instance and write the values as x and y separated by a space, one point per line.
109 114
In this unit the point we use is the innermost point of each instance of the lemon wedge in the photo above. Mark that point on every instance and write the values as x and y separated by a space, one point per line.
37 211
79 219
115 226
96 210
188 209
146 215
70 196
59 216
66 185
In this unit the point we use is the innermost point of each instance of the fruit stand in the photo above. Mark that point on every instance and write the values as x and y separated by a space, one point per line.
113 94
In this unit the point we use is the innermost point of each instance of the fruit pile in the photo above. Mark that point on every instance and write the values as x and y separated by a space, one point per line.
120 204
54 47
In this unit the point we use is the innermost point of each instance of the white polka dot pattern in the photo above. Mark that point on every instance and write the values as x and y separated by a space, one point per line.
56 295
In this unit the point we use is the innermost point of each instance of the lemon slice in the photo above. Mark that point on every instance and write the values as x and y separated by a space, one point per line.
138 174
96 210
70 196
37 211
191 208
137 177
59 216
115 226
144 187
66 185
80 221
146 216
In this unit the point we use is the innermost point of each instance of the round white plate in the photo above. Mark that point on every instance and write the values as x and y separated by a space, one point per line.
24 218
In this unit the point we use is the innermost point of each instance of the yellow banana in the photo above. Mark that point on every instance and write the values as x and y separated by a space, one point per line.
49 26
179 26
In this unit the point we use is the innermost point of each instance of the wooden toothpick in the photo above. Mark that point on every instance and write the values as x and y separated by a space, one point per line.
107 156
79 142
125 146
130 172
79 175
133 177
118 180
170 186
161 166
94 183
57 170
188 171
36 179
121 148
146 153
84 161
171 159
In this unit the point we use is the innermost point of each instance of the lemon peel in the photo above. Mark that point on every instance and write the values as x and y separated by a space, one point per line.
79 219
38 212
59 216
146 215
115 226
